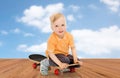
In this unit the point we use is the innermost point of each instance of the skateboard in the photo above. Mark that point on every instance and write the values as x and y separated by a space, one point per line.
36 58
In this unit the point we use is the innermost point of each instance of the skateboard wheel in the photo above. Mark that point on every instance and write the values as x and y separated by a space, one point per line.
34 65
72 69
56 72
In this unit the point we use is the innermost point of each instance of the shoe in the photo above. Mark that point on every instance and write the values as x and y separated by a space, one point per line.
66 70
44 67
43 70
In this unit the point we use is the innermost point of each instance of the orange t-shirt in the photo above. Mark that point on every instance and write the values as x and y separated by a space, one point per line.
59 46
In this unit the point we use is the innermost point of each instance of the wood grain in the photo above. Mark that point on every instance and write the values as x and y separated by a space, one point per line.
92 68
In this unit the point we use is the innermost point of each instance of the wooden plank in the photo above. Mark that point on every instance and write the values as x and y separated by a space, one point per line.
92 68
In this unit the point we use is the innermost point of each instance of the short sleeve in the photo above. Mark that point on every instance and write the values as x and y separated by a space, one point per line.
51 44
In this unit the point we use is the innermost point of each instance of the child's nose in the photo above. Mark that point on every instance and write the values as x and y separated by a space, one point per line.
60 28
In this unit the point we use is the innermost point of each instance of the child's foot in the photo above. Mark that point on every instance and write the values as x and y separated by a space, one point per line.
66 70
43 70
44 67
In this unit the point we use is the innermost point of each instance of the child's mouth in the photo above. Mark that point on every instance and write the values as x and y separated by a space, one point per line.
60 31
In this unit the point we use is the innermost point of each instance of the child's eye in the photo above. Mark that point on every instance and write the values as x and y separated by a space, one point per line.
63 25
56 25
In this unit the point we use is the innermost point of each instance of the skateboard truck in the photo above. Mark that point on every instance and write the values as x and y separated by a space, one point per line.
58 71
35 65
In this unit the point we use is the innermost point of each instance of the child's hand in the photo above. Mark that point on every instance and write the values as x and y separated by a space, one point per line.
79 62
63 65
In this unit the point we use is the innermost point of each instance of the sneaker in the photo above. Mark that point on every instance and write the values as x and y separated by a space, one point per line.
66 70
43 70
44 67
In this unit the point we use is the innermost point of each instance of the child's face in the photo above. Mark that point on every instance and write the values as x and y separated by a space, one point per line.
59 26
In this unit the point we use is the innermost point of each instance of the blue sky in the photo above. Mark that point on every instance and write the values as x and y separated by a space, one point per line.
25 26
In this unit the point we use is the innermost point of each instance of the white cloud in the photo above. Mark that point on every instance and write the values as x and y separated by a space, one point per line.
92 6
22 47
3 32
105 40
70 18
33 48
38 16
74 12
28 34
16 30
75 8
19 31
113 5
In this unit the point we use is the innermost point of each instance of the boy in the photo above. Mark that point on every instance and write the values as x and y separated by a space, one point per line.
58 46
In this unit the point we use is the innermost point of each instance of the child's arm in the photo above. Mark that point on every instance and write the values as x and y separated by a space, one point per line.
57 61
75 56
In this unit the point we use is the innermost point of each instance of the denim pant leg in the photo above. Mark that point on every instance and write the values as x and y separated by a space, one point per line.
61 57
71 59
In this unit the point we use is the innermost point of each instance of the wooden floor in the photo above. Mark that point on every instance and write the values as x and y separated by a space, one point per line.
92 68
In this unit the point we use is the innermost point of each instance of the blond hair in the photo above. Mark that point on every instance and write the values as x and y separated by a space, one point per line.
56 16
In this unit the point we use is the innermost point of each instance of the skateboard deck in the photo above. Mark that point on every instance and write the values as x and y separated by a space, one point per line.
36 57
73 66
